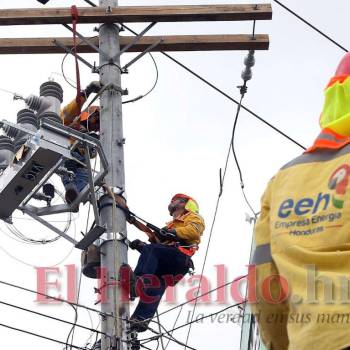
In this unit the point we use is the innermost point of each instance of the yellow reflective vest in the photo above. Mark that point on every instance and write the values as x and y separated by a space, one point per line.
299 285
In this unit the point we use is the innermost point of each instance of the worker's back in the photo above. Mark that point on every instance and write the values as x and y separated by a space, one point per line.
308 209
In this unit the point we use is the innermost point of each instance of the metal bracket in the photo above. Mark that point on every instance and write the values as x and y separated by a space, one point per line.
95 233
69 51
135 40
92 187
86 41
149 48
124 239
48 225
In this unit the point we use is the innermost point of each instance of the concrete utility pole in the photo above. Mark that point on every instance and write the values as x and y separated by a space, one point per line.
114 252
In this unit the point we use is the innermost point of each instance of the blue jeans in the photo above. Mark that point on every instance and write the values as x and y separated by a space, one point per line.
81 173
158 260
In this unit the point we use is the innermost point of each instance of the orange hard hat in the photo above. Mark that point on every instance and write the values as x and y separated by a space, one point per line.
191 204
86 113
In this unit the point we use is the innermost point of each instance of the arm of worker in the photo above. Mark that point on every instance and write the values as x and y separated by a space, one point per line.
192 229
151 235
72 110
121 203
272 317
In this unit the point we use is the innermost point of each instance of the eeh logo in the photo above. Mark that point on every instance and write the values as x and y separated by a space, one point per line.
338 182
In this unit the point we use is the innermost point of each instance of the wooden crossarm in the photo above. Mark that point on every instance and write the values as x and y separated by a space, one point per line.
123 14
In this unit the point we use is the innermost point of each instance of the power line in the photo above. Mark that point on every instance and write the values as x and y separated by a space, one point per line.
311 26
54 298
42 336
232 99
202 295
223 93
200 319
152 88
170 337
47 316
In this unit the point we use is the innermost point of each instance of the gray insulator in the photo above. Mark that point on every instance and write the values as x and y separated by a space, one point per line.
247 74
28 119
6 151
53 89
33 102
10 131
50 116
249 60
6 143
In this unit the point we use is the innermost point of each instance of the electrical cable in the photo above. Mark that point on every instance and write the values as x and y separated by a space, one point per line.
80 276
31 265
152 88
72 331
232 147
200 319
155 65
64 59
174 325
222 180
311 26
168 336
54 298
47 316
201 295
16 232
41 336
90 3
224 94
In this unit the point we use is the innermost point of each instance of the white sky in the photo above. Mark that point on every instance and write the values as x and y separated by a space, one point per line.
176 141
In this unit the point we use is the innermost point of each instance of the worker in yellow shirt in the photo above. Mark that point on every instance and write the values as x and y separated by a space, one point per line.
167 258
87 121
301 263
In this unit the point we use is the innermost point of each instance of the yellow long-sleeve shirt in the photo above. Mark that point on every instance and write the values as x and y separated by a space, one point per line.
303 235
71 110
189 227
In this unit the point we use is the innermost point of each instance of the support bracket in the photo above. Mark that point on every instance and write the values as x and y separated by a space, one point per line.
149 48
69 51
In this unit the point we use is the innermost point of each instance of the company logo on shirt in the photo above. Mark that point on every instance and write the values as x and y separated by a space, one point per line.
337 183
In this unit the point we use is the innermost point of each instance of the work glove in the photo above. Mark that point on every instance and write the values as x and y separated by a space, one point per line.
137 245
130 218
167 235
94 86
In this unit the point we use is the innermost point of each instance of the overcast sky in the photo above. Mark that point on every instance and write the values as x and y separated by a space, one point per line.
176 141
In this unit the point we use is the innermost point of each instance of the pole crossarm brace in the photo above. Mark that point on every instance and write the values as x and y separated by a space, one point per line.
178 13
168 43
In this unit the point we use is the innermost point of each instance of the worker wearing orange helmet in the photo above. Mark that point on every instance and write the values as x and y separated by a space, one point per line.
87 121
168 254
302 238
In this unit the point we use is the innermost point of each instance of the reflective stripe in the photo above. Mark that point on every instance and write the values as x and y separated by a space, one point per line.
329 137
262 254
318 156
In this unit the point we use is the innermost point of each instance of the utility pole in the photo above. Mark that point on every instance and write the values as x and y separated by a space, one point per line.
113 251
